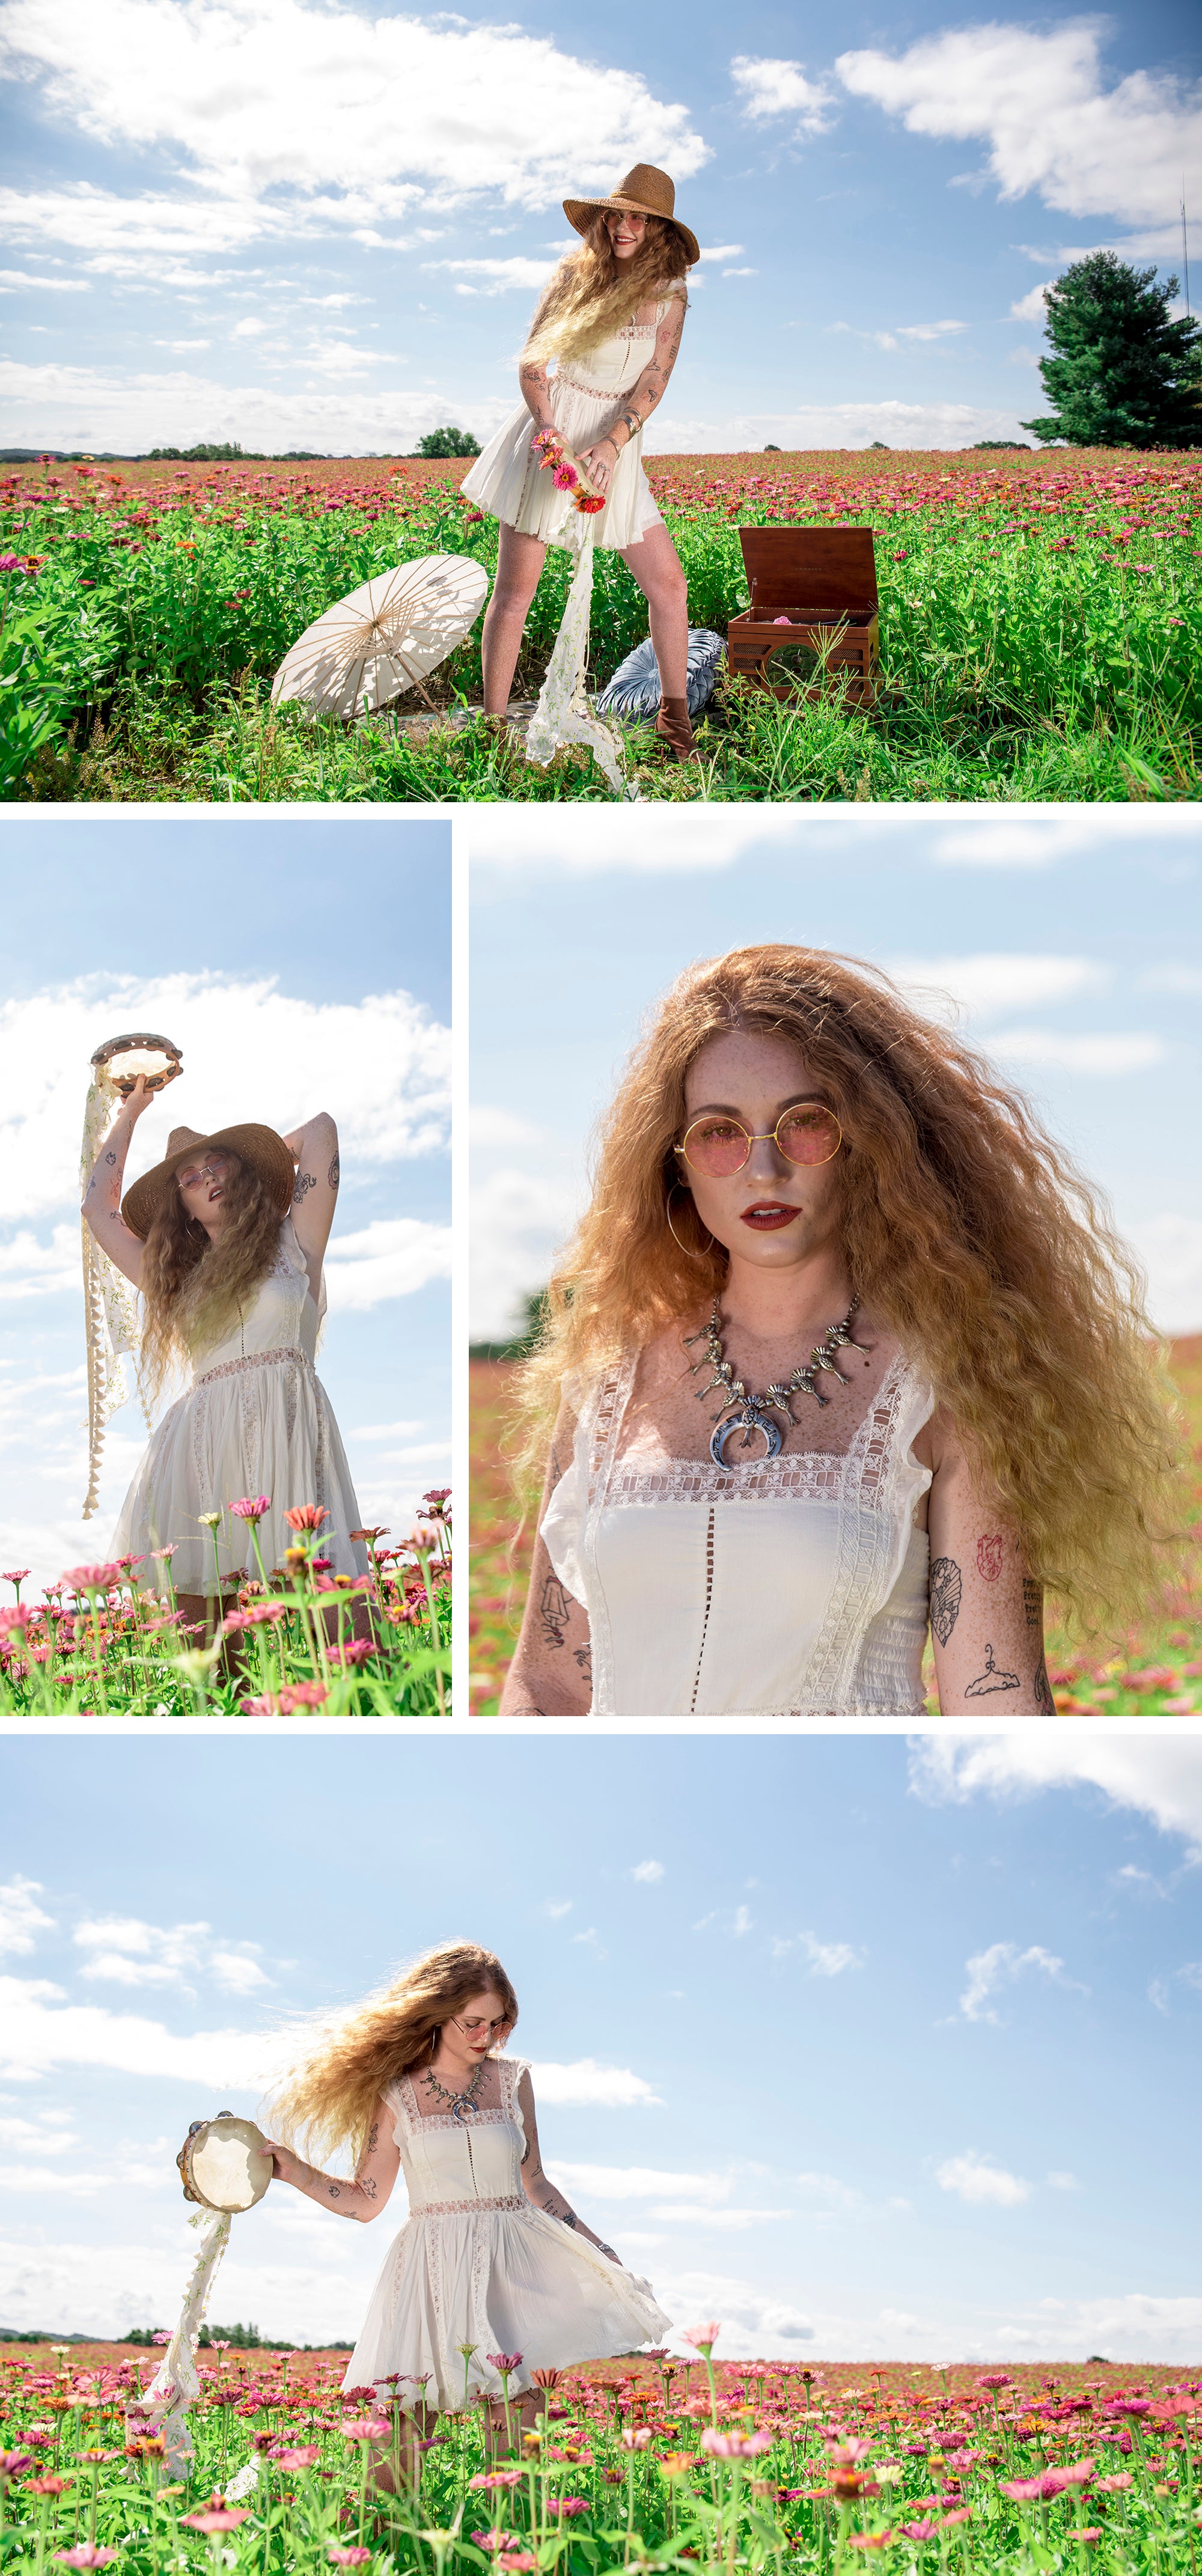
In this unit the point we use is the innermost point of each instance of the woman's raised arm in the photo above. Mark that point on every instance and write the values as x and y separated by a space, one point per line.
552 1671
375 2173
314 1149
102 1197
544 2194
986 1611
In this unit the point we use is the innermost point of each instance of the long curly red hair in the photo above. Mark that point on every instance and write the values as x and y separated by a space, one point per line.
193 1289
328 2099
967 1230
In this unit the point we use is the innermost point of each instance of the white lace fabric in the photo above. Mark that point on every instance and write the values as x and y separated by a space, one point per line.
110 1306
477 2263
792 1587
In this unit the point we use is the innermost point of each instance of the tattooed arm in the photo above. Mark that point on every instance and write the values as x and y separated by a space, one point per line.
102 1197
986 1611
535 2184
599 460
374 2176
551 1674
314 1150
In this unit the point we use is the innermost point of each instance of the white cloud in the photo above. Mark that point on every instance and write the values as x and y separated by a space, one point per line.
744 1921
737 2221
21 1917
999 1966
751 2322
126 408
1032 307
542 839
13 280
1063 2182
648 1872
29 1268
555 1911
1158 1776
39 2030
382 1066
124 1951
995 980
49 2134
724 250
392 1257
1038 102
495 276
826 1958
1108 1055
771 86
1170 1248
583 2085
640 2182
518 1221
974 2179
430 110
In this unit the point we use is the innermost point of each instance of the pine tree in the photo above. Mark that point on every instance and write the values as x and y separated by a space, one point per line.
1124 374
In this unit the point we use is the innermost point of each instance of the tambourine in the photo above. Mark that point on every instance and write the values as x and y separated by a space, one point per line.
140 1051
225 2163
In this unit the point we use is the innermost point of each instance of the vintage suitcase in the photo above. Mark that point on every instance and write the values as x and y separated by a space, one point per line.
822 581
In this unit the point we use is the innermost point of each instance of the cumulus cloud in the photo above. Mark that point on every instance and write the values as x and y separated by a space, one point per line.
974 2179
494 276
824 1958
40 2029
751 2320
1159 1776
518 1219
381 1065
1032 307
420 110
1039 103
770 86
21 1917
641 2182
583 2085
647 1872
1000 1965
392 1257
545 839
1105 1055
991 981
122 1950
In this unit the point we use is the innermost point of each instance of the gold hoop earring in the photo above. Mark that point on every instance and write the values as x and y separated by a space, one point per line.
684 1247
434 2039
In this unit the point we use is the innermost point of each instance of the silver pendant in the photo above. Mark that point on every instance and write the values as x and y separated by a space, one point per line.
746 1422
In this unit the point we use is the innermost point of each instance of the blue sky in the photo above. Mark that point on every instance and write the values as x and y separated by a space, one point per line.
292 223
1071 942
301 964
847 2043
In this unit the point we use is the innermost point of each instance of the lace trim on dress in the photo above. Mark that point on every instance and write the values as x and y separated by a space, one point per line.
822 1473
457 2208
252 1359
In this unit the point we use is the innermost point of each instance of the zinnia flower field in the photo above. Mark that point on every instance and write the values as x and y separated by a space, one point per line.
110 1638
1040 624
1156 1669
655 2463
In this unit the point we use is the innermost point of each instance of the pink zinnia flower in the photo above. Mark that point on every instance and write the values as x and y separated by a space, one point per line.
349 2557
304 2458
306 1516
702 2338
221 2517
569 2505
504 2360
252 1507
738 2446
87 2555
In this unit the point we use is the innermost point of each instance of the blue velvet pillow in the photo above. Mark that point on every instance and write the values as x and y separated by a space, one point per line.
634 690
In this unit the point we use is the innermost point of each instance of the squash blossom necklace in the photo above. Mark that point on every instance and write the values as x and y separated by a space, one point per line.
462 2104
740 1410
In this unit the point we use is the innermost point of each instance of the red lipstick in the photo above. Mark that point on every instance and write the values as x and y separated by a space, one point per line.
766 1216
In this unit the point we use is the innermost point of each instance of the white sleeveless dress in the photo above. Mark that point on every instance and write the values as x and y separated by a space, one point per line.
794 1588
477 2263
256 1420
509 482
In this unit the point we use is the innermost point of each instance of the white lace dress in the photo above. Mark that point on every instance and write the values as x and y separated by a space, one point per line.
476 2263
256 1420
797 1588
586 399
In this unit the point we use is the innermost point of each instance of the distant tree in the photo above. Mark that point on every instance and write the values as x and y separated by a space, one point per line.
881 442
772 448
1007 443
207 454
1124 373
447 442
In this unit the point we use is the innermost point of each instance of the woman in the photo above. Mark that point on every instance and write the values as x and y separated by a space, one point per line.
926 1385
492 2260
225 1238
611 318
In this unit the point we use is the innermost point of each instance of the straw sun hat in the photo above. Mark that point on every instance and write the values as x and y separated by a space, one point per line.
644 191
259 1146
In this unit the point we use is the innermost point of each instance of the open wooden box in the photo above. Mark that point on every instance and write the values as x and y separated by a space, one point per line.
823 581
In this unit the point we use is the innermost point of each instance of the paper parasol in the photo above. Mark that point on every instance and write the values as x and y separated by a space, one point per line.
384 638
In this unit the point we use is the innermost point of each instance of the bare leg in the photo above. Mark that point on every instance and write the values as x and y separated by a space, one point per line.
523 2412
519 563
659 573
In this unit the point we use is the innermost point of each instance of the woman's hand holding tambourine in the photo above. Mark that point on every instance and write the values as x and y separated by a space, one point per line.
138 1097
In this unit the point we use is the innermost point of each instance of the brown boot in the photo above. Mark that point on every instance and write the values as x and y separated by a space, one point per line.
673 727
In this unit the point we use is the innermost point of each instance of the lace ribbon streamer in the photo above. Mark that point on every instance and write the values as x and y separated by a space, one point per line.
110 1313
562 714
163 2406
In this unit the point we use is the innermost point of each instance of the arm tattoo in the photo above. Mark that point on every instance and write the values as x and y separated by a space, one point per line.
554 1471
583 1655
334 1174
557 2207
992 1679
110 1158
305 1181
1032 1602
990 1551
553 1611
1043 1690
373 2135
947 1584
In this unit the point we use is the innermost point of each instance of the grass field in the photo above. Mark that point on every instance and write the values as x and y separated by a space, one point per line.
100 1641
1040 619
648 2464
1155 1669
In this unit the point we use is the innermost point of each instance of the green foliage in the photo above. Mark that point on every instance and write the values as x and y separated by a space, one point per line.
225 454
447 442
53 655
1124 374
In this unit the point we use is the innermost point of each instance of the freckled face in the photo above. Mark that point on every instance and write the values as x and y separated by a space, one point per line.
625 233
480 2024
774 1212
203 1186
